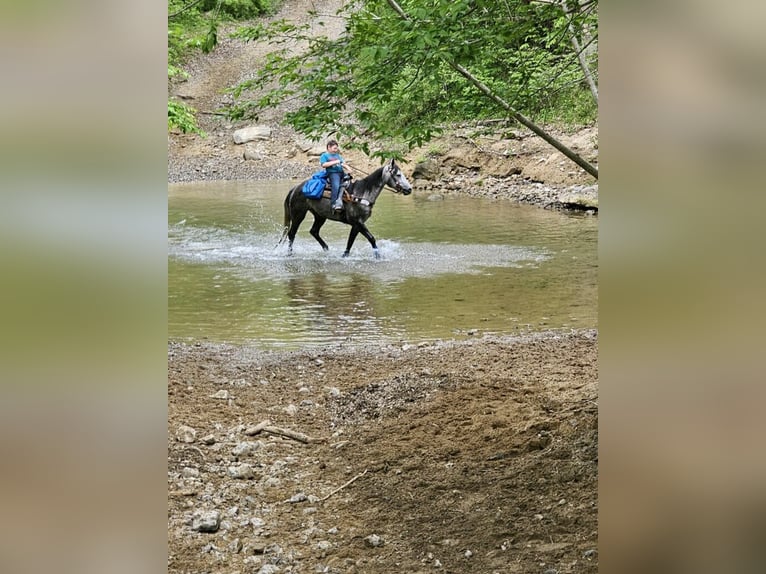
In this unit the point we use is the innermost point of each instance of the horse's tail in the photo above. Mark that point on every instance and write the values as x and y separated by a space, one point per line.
288 218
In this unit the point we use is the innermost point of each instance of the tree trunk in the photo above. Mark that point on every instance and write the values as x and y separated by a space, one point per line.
581 52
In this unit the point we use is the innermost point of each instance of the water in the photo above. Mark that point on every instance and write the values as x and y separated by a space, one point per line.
449 269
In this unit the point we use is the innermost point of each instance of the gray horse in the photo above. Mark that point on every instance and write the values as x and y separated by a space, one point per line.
357 206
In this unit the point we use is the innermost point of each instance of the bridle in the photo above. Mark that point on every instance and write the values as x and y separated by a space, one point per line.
396 187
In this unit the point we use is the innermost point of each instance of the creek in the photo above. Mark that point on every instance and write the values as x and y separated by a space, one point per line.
449 269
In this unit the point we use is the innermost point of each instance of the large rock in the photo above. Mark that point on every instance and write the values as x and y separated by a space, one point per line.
251 133
427 169
206 521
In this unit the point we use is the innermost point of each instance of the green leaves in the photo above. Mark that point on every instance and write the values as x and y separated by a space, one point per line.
211 38
181 116
386 79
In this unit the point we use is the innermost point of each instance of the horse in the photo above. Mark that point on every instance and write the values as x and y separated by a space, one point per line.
362 195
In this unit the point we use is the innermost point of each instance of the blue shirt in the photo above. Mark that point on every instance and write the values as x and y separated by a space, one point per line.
327 156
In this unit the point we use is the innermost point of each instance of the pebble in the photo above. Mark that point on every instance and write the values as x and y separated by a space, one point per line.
374 540
246 448
186 434
189 472
300 497
241 471
257 522
222 394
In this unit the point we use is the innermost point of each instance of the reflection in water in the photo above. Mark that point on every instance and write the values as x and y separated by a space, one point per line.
447 268
334 308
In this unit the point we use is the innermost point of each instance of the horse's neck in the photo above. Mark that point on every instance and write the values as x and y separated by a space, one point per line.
370 190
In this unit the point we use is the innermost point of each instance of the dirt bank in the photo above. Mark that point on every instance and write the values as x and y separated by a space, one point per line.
471 457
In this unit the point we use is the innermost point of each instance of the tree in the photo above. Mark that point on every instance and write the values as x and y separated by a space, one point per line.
402 69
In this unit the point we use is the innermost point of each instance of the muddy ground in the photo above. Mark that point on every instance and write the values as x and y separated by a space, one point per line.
478 456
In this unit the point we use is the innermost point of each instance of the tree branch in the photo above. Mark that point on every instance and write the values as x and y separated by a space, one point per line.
184 9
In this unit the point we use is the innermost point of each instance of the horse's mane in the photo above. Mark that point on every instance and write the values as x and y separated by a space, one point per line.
367 181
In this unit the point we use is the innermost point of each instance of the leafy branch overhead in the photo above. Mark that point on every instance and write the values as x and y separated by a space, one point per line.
402 70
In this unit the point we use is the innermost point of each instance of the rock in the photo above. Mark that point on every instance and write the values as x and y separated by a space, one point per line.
222 394
242 471
246 448
206 521
316 151
208 440
427 169
186 434
189 472
272 482
269 569
257 523
251 133
300 497
254 153
373 540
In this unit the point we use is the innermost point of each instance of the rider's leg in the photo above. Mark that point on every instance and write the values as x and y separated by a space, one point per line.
335 177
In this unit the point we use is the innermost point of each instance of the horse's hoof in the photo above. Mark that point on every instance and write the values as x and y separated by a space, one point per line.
377 253
345 254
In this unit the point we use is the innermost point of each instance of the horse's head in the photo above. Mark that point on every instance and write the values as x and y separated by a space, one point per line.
394 177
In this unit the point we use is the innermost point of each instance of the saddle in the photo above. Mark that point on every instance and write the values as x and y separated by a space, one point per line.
344 185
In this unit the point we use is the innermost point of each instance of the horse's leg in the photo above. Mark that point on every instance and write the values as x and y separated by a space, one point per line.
371 238
351 238
318 223
296 220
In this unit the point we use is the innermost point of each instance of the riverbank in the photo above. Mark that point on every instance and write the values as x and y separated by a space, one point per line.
478 456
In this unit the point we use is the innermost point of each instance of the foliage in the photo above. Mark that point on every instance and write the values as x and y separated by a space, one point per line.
192 26
393 78
181 116
238 9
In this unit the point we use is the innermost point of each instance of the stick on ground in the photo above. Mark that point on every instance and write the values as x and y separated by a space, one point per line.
343 486
267 428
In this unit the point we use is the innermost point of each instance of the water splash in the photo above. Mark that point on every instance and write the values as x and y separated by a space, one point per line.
255 254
